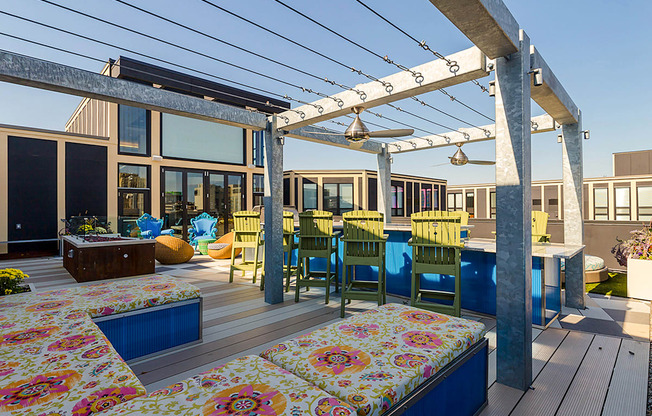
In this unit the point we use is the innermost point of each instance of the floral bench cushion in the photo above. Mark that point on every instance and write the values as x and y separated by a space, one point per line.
376 358
60 364
591 263
104 298
246 386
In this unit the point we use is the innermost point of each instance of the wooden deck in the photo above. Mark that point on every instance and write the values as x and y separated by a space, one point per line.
575 373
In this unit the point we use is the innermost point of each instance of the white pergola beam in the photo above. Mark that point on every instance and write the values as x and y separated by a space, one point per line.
539 124
487 23
551 95
331 137
436 75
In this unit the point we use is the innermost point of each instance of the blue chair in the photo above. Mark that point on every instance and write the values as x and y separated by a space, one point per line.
150 227
203 227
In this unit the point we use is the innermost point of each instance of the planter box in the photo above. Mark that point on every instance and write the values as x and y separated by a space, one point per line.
639 279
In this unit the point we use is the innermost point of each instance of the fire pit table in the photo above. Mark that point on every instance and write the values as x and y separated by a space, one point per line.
89 258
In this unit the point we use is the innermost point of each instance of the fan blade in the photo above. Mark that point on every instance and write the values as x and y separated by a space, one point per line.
440 164
327 133
482 162
391 133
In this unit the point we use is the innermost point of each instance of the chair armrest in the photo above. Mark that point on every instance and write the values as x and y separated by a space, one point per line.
169 231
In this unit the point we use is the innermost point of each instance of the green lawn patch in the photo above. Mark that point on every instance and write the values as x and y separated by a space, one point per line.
616 285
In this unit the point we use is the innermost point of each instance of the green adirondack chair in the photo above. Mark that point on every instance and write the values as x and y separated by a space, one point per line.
247 234
288 247
364 245
436 248
316 239
540 226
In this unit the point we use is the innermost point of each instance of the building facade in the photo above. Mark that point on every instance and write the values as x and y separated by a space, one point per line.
339 191
117 162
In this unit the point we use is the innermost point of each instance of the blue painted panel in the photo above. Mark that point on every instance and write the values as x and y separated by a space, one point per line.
138 335
462 393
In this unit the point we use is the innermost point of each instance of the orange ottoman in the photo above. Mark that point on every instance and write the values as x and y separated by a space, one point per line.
221 251
172 250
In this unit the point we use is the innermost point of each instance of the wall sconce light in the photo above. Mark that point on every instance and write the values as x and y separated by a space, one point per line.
492 88
586 134
157 158
538 77
559 138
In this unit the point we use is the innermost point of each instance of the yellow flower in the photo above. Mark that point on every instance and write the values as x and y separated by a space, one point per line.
7 291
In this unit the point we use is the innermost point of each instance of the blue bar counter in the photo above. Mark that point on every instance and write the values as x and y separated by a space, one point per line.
478 285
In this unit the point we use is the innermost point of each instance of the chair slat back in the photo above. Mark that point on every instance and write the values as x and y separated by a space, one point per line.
363 232
288 227
246 225
464 216
539 224
315 230
435 237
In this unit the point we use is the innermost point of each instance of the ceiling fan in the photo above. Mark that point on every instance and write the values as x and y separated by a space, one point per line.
460 159
357 133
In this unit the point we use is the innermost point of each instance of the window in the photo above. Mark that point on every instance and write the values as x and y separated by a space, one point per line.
338 197
600 204
133 196
435 198
397 200
470 203
492 204
536 204
426 198
259 148
189 138
623 211
259 189
455 202
133 130
644 203
309 196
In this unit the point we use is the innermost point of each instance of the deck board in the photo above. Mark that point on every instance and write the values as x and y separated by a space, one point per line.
589 387
549 387
628 389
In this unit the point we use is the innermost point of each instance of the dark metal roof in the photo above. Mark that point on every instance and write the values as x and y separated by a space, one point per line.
133 70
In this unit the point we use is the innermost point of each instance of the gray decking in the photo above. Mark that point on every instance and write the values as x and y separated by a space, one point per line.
576 373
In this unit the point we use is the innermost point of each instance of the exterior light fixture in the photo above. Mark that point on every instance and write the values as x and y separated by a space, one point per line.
586 134
559 138
538 77
492 88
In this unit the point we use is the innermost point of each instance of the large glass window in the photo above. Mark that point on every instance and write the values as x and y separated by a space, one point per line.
426 198
259 148
133 130
259 189
492 204
470 203
601 204
397 200
338 197
623 204
309 196
133 196
644 203
188 138
455 201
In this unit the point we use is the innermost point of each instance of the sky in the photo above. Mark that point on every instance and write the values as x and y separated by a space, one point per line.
598 49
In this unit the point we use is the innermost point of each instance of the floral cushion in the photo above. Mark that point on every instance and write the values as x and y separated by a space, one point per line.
247 386
376 358
105 298
591 263
60 364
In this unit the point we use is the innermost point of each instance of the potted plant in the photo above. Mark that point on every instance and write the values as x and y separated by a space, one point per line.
11 282
636 255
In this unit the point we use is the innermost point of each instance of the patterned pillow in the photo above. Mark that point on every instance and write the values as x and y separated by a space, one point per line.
217 246
591 263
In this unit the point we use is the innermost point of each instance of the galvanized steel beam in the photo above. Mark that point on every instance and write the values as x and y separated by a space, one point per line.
539 124
487 23
384 184
37 73
435 75
551 95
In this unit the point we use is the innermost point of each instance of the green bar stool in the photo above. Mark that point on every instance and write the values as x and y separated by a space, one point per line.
316 239
247 234
436 248
364 245
288 246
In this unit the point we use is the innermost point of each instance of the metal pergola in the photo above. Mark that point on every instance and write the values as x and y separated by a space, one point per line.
521 73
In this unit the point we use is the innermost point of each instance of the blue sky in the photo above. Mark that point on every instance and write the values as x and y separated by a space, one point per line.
598 49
